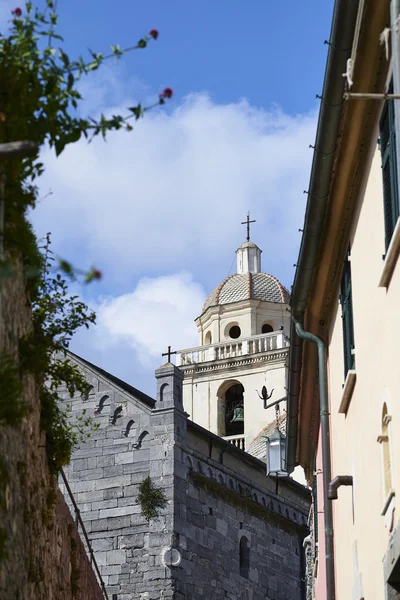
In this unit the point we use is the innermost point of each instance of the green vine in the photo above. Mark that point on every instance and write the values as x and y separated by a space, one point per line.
39 103
151 499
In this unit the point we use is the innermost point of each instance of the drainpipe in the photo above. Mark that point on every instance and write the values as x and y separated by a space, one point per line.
326 456
336 483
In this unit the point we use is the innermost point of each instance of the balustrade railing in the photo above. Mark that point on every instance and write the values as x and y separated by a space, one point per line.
236 440
241 347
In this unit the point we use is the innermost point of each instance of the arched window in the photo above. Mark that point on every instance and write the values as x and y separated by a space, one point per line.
234 410
266 328
208 338
385 441
244 556
105 400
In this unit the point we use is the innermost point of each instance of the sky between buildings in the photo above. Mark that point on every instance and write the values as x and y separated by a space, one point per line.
158 209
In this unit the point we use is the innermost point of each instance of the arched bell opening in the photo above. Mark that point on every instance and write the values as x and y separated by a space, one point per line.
234 410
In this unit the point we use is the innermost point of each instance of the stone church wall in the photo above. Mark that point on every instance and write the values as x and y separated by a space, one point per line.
221 506
216 496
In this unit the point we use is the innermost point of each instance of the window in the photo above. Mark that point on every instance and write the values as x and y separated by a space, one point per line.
389 168
244 556
208 339
234 332
267 328
234 410
347 317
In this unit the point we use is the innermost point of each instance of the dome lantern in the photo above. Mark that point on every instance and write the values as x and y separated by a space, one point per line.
248 258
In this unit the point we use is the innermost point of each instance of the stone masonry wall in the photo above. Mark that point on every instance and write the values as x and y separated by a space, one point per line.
105 474
41 555
216 495
216 506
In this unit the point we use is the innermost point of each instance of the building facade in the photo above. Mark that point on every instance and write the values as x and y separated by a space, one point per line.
243 347
343 409
226 531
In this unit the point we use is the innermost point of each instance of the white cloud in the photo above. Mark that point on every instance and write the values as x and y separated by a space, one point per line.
154 206
171 194
158 313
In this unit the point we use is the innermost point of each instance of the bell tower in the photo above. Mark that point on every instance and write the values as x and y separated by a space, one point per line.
243 346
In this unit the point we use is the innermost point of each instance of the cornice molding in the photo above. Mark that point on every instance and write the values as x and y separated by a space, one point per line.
239 361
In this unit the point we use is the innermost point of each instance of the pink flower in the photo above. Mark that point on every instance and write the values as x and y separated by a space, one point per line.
167 93
154 34
17 12
97 274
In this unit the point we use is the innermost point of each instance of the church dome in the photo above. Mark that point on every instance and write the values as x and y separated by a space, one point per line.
248 286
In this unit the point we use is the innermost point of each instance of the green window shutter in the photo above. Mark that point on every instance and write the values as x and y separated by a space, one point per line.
389 169
346 300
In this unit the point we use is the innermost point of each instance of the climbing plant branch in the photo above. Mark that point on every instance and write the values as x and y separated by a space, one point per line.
39 105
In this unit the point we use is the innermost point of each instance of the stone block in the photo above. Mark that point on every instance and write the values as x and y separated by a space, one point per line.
119 511
106 461
111 482
103 544
116 557
124 458
105 504
131 541
114 492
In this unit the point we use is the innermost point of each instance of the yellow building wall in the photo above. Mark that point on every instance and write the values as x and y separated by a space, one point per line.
361 537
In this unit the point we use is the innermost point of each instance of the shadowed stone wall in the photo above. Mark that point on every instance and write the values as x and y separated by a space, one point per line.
41 554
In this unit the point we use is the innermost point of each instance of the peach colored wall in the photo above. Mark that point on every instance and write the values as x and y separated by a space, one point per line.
359 527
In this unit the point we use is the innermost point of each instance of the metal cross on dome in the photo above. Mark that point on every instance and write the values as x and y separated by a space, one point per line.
247 222
169 353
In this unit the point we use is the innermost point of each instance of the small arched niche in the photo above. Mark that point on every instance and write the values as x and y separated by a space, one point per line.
208 338
86 394
104 401
163 391
267 328
117 414
129 427
140 440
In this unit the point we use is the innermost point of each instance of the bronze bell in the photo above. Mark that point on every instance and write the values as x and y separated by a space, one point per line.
238 415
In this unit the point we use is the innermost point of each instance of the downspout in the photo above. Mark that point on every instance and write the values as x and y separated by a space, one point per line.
326 456
336 483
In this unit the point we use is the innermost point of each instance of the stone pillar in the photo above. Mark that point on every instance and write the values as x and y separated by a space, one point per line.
167 471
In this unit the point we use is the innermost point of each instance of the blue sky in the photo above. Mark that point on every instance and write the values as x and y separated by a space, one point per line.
158 210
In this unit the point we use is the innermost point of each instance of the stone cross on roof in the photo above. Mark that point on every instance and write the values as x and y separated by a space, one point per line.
169 353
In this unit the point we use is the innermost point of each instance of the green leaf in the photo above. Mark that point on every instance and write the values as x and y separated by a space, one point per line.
142 43
137 111
59 146
64 57
71 80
